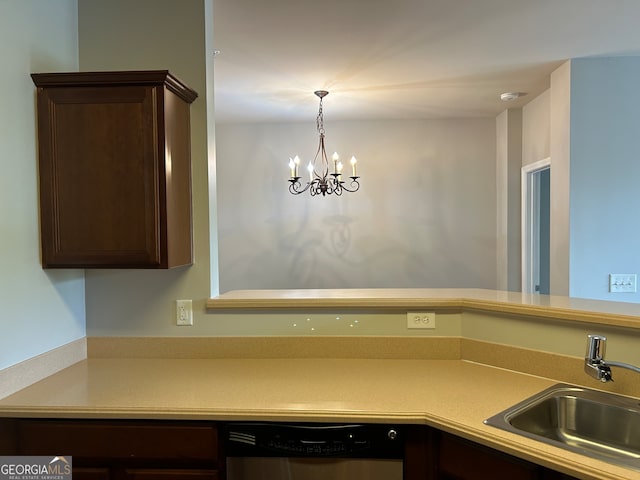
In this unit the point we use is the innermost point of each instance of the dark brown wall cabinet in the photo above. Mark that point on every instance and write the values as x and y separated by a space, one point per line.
115 169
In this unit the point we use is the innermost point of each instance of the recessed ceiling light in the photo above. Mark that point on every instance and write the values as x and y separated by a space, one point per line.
509 96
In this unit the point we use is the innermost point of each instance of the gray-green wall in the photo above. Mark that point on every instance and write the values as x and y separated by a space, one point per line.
41 310
424 215
141 35
605 171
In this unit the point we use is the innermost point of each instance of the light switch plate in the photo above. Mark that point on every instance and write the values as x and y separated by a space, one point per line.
623 282
184 312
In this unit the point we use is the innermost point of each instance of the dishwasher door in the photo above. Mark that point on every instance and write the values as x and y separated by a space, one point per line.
306 468
294 451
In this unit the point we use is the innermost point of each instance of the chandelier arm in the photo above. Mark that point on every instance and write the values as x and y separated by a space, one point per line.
294 186
354 184
331 187
318 188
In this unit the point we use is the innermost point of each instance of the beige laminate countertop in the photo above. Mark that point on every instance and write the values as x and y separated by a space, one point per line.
453 395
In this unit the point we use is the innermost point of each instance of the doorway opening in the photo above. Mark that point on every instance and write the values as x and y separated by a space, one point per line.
536 213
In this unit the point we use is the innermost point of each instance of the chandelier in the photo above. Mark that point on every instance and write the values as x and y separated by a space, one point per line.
320 180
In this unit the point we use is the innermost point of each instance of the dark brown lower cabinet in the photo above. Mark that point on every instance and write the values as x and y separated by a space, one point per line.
143 474
185 450
91 473
120 449
166 474
431 454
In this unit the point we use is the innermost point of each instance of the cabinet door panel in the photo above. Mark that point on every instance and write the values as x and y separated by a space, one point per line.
153 474
99 176
460 459
91 474
121 441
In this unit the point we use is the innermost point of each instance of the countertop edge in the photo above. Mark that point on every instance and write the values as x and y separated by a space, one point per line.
618 314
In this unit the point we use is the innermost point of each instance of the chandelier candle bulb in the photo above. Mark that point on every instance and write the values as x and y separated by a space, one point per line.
353 166
296 161
310 169
335 157
292 167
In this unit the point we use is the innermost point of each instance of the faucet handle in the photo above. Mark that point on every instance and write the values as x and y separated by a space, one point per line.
596 348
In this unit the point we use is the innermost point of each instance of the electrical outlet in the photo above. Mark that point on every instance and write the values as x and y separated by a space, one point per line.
184 312
421 320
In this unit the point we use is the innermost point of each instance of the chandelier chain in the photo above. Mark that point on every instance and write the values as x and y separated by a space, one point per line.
320 120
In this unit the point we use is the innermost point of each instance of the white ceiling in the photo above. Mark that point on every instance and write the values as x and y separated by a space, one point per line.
403 58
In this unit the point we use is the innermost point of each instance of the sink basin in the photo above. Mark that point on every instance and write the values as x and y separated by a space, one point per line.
597 424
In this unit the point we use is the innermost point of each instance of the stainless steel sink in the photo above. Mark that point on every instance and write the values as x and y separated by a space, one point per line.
597 424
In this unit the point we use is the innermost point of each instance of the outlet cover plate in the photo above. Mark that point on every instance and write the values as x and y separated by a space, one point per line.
421 320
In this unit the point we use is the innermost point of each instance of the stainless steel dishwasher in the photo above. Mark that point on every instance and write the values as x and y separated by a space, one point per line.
304 451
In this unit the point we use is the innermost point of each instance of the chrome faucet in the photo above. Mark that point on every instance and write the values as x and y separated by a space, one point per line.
595 364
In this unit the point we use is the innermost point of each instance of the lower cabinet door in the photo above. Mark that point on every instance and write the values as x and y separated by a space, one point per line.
164 474
461 459
91 473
